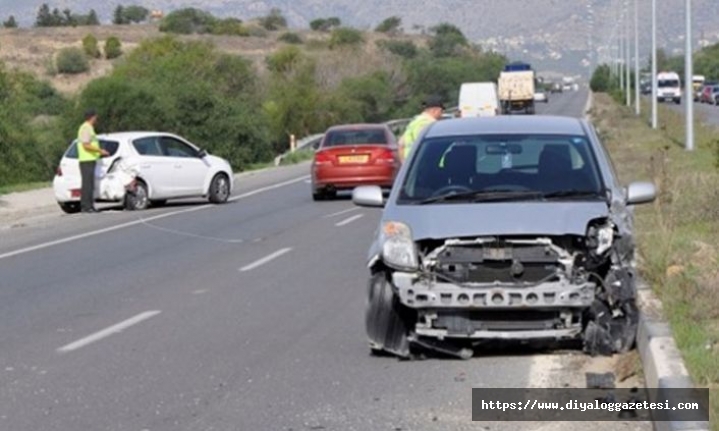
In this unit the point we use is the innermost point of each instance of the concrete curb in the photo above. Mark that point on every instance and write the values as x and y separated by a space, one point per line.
661 359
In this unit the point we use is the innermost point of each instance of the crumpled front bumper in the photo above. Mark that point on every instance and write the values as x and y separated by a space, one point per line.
552 309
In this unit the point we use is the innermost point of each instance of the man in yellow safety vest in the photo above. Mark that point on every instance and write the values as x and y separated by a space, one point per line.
433 110
88 152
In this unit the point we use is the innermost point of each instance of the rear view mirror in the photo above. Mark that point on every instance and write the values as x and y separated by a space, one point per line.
202 153
500 149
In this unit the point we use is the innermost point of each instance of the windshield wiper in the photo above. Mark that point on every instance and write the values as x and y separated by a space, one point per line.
572 193
482 196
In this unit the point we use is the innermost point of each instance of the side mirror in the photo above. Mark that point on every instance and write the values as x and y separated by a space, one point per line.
641 193
202 153
368 196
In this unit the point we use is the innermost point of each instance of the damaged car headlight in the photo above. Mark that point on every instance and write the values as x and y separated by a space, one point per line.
600 238
398 248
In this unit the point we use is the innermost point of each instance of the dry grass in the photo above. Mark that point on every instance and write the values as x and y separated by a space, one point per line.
677 235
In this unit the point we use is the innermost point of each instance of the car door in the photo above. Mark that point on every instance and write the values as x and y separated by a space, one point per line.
189 169
156 169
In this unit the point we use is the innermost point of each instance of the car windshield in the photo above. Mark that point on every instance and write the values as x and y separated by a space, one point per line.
516 166
668 83
374 136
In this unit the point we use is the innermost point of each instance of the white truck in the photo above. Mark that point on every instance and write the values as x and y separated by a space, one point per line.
516 88
669 87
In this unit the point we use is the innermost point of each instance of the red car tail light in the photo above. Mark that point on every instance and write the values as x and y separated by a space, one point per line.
387 156
322 158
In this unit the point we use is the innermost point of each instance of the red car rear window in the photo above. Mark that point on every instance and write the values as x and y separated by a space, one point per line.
355 137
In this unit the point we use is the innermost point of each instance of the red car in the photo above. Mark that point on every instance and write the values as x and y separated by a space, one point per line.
353 155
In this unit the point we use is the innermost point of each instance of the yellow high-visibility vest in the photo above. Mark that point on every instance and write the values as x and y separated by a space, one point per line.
82 154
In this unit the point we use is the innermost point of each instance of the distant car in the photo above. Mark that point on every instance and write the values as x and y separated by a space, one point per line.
708 92
478 99
504 228
352 155
556 88
541 96
669 87
168 167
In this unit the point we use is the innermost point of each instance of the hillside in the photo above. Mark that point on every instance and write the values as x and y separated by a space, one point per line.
554 34
32 49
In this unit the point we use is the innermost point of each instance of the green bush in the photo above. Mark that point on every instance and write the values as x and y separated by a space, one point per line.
113 48
89 45
188 21
229 27
284 59
72 61
325 24
290 37
601 79
402 48
345 36
390 25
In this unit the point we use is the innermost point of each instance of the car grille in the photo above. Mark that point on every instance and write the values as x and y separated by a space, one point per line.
466 322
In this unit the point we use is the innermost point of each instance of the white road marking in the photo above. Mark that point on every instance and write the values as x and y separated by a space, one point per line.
341 212
349 220
141 221
265 259
115 329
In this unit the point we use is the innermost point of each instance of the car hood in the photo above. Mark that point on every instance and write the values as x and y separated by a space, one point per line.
437 221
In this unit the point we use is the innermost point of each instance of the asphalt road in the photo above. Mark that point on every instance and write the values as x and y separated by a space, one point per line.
709 114
243 316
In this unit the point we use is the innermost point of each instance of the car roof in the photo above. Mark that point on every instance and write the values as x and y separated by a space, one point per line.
357 126
131 136
507 124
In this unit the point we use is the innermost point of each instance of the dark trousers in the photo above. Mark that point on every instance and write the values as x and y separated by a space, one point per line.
87 199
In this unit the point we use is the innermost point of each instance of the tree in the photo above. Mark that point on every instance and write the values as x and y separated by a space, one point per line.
135 14
68 18
118 16
91 18
44 17
274 21
113 48
188 21
290 37
10 23
601 79
402 48
447 40
390 25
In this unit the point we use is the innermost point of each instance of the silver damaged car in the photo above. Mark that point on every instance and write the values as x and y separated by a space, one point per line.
504 228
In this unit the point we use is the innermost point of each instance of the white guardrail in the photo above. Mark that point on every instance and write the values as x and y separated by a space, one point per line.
313 141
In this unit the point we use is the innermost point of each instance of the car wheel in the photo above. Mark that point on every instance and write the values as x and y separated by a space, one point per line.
219 189
318 195
70 207
138 200
386 319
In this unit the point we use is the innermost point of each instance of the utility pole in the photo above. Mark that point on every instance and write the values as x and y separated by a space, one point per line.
620 42
688 79
654 64
627 56
637 104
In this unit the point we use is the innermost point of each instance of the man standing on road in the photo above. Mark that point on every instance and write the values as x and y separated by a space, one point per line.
433 110
88 152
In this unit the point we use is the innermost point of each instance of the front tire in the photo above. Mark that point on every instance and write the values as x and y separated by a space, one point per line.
219 189
138 200
70 207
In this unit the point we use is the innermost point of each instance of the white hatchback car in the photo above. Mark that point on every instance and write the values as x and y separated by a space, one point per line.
168 167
